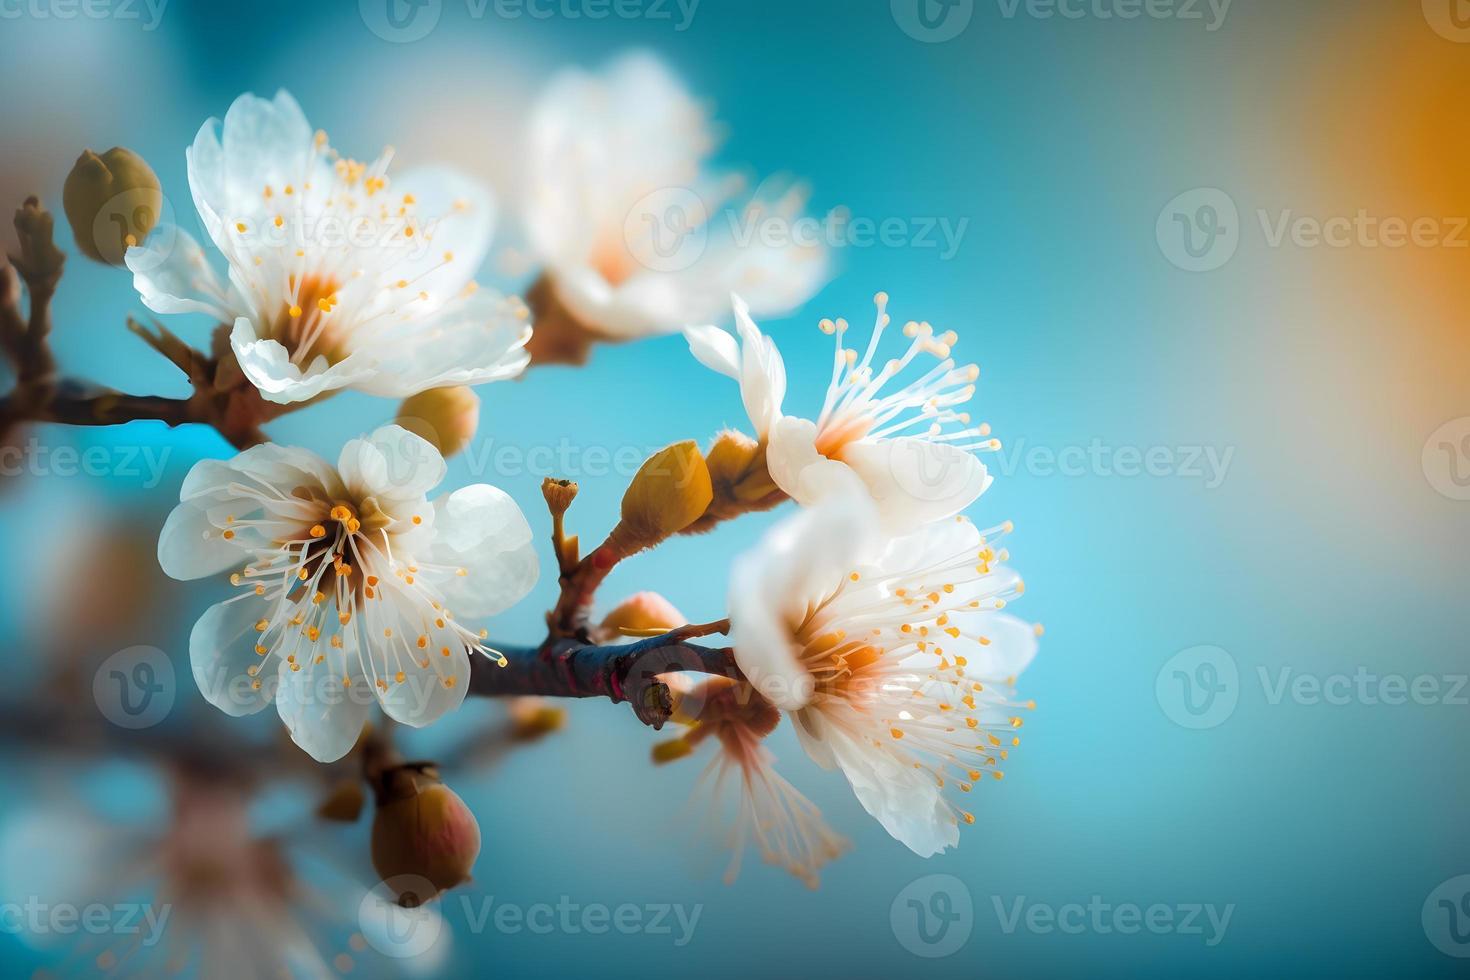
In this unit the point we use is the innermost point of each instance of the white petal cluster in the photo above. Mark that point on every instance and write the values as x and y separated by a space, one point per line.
338 275
350 583
634 232
890 655
903 440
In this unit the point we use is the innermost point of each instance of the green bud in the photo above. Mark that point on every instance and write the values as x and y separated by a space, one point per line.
112 201
669 492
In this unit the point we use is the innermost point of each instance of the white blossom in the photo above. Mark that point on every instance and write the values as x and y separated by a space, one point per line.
904 440
637 235
339 276
893 660
350 583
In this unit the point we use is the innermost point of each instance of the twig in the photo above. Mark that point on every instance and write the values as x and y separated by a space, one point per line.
629 672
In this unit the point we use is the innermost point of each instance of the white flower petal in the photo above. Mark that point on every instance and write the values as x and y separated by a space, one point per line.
268 366
323 715
914 481
172 275
459 222
427 694
715 349
222 651
190 547
1013 643
762 372
479 528
796 467
477 341
261 142
903 799
796 565
391 464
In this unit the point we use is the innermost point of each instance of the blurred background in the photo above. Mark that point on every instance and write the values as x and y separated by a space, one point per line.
1212 261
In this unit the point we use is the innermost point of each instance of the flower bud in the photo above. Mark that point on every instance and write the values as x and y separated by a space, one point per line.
731 456
670 491
445 417
533 719
344 803
112 201
646 612
559 495
423 832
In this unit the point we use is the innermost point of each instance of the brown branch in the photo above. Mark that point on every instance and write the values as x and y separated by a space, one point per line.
629 672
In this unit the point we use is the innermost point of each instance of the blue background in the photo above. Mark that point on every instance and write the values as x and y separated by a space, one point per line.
1323 550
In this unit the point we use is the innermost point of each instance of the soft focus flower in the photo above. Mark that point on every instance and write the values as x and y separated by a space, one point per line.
199 890
350 582
338 278
894 660
635 236
784 825
906 442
